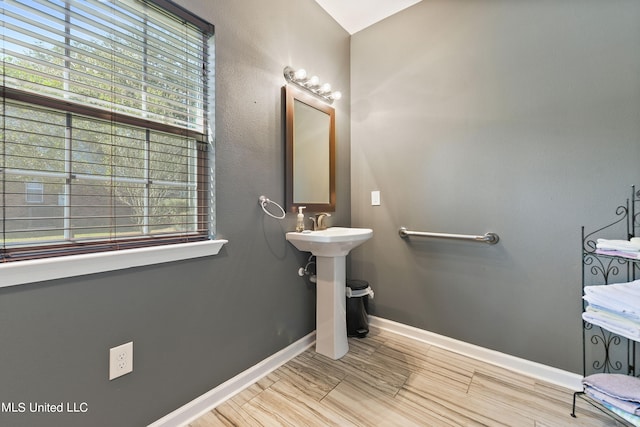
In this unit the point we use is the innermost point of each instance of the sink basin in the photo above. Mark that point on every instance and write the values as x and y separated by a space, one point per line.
331 242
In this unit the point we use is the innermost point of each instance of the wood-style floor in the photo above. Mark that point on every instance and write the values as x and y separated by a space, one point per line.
390 380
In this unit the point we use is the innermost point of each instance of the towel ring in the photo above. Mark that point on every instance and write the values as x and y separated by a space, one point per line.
264 201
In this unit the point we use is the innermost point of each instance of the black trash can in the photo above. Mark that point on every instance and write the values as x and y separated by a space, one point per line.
358 292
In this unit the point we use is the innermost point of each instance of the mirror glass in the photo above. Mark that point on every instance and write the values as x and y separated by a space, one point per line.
310 163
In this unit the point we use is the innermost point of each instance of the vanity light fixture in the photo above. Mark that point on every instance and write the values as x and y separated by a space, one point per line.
311 84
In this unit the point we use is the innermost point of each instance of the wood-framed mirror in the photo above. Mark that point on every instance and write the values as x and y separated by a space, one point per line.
310 128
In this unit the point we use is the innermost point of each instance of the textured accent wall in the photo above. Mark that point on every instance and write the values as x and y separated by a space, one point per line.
520 118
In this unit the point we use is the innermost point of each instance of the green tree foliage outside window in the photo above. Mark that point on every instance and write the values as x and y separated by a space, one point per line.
104 108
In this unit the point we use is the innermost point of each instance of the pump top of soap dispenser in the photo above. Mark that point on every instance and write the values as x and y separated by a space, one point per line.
300 221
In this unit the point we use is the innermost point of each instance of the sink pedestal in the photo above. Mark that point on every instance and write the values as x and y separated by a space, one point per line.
331 246
331 308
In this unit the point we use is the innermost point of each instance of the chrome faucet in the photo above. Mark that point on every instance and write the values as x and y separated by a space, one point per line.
320 220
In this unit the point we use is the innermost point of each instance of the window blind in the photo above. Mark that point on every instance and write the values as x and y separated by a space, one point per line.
126 57
104 130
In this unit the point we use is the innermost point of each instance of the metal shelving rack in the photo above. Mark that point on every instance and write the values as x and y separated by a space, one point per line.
602 350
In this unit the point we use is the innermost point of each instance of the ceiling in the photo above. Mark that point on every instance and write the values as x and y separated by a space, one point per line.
355 15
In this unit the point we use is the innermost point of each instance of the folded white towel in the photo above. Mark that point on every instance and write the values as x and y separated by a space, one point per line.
629 407
623 298
618 253
625 314
632 245
616 324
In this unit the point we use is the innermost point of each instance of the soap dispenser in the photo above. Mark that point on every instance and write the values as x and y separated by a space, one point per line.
300 222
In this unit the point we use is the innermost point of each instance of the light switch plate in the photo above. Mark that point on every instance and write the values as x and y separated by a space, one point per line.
375 198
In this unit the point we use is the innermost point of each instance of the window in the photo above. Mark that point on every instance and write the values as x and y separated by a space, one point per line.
34 192
104 134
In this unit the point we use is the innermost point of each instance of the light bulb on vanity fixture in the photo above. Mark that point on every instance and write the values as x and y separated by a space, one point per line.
311 84
300 75
325 89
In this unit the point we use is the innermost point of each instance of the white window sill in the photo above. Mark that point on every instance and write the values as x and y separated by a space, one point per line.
23 272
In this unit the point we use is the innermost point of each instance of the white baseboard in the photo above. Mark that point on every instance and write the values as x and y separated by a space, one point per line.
194 409
533 369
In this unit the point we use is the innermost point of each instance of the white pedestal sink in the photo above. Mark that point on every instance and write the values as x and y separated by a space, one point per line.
330 247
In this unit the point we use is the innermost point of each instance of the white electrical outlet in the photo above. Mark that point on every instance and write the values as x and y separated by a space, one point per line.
120 360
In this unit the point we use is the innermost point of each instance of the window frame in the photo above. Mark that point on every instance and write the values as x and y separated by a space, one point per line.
34 192
46 269
204 166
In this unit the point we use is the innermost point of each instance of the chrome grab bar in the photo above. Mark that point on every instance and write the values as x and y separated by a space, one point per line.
489 238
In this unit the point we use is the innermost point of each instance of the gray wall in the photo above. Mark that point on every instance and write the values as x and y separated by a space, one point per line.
517 117
195 323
